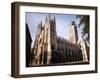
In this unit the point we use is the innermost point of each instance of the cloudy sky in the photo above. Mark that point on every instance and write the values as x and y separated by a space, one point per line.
63 22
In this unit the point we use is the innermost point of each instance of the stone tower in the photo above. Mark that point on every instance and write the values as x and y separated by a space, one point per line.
50 23
53 34
45 41
73 35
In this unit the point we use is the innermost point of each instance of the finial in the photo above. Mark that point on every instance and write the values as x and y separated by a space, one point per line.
41 22
54 18
49 16
45 19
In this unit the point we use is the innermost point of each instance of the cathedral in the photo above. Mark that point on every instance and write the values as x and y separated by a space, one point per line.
50 48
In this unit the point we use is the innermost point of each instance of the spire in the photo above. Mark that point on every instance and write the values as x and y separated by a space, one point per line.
49 16
45 19
39 26
41 23
54 19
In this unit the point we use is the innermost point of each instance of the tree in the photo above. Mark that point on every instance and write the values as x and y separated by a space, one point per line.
84 21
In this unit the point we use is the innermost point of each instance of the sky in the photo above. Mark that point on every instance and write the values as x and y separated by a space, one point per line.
63 22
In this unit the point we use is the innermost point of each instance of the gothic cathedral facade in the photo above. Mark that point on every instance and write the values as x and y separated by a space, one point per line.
49 48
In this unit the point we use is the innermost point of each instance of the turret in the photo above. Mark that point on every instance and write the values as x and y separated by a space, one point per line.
39 29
